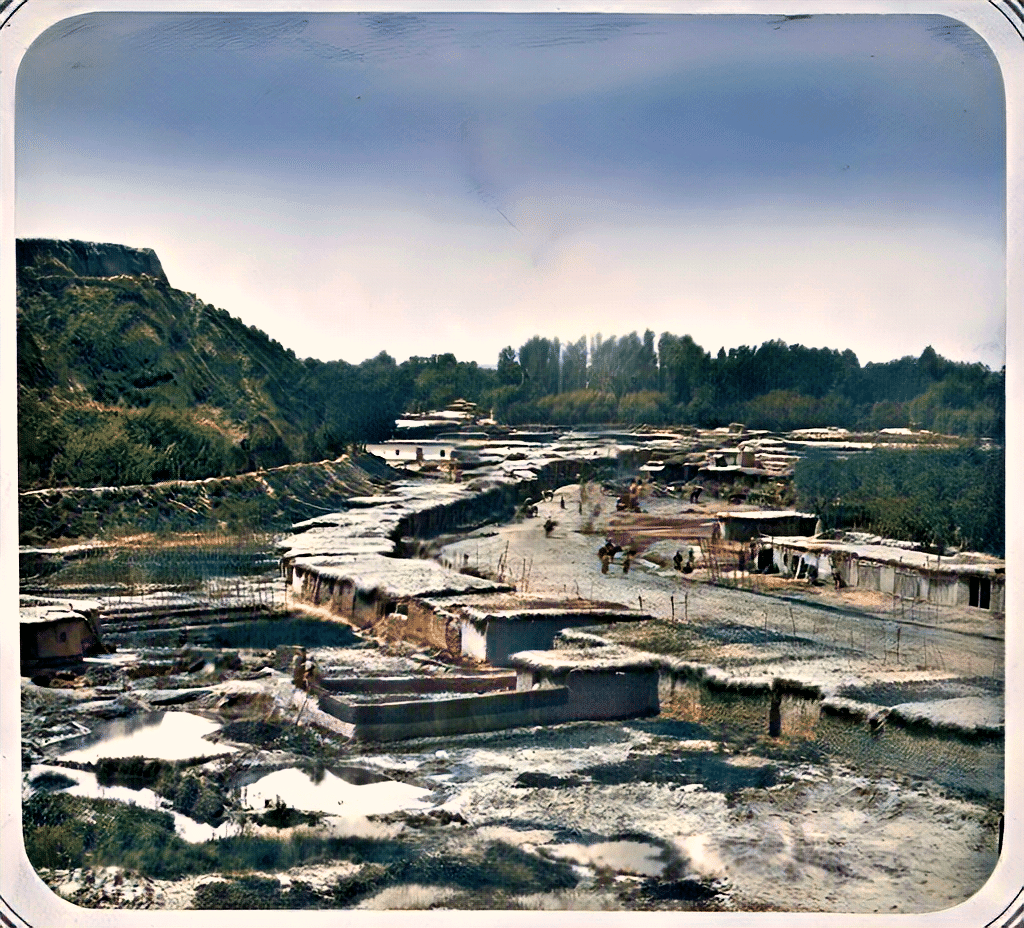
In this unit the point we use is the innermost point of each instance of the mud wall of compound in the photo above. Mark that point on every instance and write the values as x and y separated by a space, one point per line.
497 504
496 640
462 715
602 694
339 596
475 683
418 623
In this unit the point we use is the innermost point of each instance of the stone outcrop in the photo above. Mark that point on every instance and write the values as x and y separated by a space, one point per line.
88 259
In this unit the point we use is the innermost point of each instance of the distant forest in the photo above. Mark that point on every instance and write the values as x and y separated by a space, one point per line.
637 380
123 379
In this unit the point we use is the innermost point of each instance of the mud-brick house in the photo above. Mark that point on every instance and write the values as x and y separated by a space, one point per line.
602 683
56 632
494 627
384 593
744 525
960 579
737 466
551 687
731 457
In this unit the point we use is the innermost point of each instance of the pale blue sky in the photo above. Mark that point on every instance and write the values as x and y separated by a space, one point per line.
352 183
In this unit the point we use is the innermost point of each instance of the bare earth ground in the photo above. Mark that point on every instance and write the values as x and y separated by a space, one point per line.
864 825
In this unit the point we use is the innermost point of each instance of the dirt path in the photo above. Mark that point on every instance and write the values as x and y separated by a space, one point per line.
861 625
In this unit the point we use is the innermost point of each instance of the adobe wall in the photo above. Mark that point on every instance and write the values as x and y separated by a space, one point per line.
601 694
500 638
462 715
474 683
437 629
338 595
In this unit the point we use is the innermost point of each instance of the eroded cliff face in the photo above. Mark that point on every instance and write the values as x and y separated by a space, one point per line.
123 379
88 259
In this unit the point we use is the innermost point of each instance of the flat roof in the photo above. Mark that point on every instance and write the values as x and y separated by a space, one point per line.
961 563
397 577
611 658
761 514
40 615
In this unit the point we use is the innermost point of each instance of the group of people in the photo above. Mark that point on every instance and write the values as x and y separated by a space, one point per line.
607 552
677 561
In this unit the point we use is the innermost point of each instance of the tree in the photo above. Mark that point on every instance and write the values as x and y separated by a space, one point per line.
574 365
510 373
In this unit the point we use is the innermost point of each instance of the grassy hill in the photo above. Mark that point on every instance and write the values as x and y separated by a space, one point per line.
123 379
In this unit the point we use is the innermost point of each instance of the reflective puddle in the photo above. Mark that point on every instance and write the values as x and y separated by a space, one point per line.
85 784
622 856
154 735
356 792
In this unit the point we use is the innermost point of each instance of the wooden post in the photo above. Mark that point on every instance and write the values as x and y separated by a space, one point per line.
775 717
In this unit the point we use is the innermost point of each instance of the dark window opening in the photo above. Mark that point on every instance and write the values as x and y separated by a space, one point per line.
980 592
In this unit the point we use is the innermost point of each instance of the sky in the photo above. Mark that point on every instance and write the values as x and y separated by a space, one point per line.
355 183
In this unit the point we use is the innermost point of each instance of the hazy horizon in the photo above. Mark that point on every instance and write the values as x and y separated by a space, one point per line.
456 182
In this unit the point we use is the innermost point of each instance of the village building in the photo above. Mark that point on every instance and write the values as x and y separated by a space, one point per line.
734 465
425 603
747 524
56 632
493 628
602 683
871 563
382 594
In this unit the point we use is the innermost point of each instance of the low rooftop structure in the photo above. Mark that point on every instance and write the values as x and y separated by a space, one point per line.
364 589
58 631
744 525
492 628
961 579
603 682
551 687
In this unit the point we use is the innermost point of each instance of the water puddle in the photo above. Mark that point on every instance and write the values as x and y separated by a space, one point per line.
346 791
622 856
84 783
154 735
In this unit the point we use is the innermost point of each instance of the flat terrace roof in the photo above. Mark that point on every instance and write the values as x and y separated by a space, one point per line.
759 515
41 615
36 609
399 578
972 563
612 658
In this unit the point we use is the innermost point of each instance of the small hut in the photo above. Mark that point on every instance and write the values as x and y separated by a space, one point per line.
58 632
603 683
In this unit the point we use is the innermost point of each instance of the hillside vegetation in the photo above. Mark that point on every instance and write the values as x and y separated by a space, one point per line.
125 380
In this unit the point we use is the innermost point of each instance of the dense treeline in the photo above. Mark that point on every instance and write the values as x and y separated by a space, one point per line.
775 386
936 497
122 379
